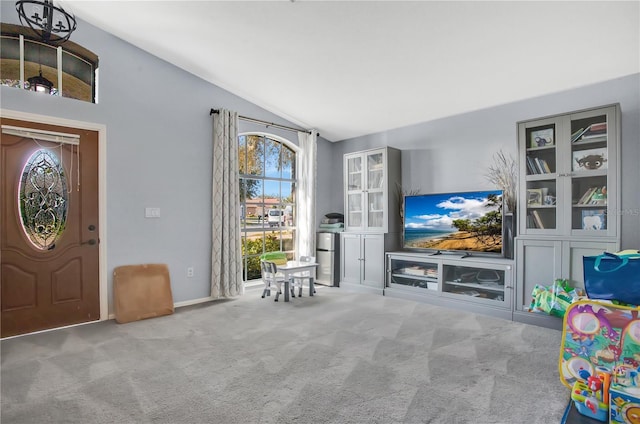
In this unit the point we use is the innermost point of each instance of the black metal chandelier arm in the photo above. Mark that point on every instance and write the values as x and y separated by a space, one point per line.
40 15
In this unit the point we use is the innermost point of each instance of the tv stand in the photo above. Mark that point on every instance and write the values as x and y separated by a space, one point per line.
474 283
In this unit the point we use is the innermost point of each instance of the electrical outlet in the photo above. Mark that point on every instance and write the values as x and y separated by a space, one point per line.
190 271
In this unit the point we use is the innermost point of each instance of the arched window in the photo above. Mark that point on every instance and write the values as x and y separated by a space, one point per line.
267 198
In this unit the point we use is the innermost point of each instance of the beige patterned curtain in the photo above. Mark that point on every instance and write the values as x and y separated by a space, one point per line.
306 235
226 255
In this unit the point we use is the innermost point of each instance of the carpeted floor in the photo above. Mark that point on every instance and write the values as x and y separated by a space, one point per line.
337 357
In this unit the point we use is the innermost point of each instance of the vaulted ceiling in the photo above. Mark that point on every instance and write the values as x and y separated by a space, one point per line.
350 68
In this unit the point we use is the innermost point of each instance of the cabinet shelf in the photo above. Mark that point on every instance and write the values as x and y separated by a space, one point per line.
541 206
412 276
492 287
594 140
541 149
541 177
588 174
602 205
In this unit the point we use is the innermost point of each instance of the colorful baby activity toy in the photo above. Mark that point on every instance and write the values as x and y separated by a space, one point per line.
600 360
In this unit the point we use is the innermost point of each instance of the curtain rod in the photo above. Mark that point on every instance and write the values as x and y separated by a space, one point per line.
268 124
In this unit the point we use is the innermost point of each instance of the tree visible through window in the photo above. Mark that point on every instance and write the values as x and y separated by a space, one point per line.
267 199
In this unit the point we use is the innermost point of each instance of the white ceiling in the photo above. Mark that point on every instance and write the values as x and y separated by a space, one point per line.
350 68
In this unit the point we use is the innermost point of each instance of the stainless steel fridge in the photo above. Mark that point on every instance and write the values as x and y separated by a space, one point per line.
328 258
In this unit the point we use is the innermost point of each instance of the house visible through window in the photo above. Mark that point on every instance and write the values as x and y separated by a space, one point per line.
267 199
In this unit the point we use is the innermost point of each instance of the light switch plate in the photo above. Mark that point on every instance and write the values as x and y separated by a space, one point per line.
152 212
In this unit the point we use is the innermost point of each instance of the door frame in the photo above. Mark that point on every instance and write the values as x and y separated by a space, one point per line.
102 189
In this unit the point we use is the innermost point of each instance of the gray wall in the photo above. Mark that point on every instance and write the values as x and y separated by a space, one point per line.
159 148
453 153
158 153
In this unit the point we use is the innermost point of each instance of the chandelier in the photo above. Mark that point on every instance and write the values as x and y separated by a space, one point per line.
50 23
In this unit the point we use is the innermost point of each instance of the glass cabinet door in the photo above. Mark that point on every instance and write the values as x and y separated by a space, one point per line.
375 190
413 275
569 174
483 284
592 159
355 186
366 197
541 185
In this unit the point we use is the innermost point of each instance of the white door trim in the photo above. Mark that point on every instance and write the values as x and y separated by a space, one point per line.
102 187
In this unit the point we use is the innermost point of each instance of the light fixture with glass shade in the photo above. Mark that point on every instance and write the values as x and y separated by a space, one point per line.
40 84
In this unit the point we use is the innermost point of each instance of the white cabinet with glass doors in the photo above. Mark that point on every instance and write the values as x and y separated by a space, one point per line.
370 177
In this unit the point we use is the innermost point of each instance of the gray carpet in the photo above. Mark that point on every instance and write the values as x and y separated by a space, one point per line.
337 357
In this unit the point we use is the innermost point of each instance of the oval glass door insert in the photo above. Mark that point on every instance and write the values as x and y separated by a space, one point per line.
43 197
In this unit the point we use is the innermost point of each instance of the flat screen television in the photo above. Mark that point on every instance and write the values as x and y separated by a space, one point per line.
454 222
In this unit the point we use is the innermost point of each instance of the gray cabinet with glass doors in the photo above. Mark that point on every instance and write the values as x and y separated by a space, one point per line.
569 174
370 177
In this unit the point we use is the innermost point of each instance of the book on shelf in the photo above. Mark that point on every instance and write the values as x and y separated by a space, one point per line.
599 196
592 131
594 196
530 166
545 166
536 165
538 162
595 219
576 135
537 220
586 196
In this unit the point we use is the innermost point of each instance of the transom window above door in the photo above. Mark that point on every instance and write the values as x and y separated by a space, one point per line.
69 70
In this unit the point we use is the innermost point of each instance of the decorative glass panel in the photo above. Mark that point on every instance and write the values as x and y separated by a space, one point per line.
43 199
77 77
10 62
43 58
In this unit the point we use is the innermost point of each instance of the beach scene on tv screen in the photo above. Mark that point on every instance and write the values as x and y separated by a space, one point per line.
468 221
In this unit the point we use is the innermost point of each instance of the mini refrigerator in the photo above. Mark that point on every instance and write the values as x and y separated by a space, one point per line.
328 258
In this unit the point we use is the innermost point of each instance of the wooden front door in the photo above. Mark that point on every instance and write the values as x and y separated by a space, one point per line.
49 272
